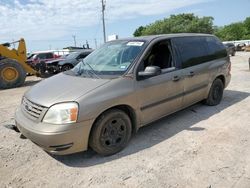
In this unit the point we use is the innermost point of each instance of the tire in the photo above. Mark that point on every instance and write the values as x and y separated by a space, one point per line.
41 67
66 67
216 93
233 54
104 137
12 74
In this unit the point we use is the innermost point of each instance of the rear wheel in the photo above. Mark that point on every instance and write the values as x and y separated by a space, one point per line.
66 67
111 132
215 93
12 74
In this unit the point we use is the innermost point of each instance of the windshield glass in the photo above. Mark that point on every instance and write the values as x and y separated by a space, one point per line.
30 56
73 55
111 59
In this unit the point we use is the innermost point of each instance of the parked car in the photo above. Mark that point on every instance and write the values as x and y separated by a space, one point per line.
73 59
240 47
38 57
247 48
231 50
121 87
52 65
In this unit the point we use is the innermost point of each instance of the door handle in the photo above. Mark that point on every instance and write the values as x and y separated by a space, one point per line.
176 78
191 74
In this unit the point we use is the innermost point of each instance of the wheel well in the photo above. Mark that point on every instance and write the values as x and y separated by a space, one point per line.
222 78
128 110
67 64
131 113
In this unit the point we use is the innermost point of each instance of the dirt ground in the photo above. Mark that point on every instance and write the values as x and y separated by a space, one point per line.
200 146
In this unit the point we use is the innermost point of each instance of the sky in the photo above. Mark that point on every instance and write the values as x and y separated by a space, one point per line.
51 24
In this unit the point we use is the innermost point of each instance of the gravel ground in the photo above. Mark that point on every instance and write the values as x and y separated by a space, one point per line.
200 146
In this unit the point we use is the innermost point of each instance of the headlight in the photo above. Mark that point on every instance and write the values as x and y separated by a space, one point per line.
62 113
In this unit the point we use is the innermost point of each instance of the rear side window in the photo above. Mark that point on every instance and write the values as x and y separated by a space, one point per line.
41 56
45 56
49 55
215 48
193 50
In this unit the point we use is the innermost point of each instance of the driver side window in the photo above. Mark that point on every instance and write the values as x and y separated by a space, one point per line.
160 55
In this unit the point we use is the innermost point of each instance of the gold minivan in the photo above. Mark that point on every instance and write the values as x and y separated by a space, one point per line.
120 87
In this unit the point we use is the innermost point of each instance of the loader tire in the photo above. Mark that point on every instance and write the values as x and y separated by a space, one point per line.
12 74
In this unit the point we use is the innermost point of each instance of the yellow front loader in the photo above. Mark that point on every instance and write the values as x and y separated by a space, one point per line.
13 67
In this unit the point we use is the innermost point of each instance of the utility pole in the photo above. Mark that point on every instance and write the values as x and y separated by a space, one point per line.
103 20
74 37
13 43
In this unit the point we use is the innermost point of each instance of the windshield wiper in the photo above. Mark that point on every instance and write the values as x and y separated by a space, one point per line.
91 69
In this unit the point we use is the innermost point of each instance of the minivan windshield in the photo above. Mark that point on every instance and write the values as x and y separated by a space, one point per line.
112 59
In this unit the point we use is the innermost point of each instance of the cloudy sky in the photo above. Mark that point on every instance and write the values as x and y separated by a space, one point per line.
52 23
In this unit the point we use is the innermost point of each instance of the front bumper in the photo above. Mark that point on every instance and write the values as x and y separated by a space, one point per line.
52 68
55 139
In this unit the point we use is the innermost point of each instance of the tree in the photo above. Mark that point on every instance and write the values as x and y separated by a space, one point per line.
138 31
189 23
181 23
247 28
234 31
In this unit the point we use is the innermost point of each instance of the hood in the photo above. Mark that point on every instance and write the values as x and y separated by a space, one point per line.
65 61
55 60
62 88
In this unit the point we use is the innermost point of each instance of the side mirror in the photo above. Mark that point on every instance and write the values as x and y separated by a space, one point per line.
150 71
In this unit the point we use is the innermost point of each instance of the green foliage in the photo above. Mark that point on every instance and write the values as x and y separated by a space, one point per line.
181 23
234 31
247 28
189 23
138 31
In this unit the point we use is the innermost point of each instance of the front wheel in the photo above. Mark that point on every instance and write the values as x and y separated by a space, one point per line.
111 132
216 93
66 67
12 74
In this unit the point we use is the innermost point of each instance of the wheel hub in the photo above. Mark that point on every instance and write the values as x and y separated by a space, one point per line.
113 133
9 74
216 92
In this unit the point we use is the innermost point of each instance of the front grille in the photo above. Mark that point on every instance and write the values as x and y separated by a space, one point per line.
32 109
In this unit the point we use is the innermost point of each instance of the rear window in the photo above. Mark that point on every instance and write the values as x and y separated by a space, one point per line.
215 48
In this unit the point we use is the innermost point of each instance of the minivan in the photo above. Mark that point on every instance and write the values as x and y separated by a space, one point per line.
120 87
